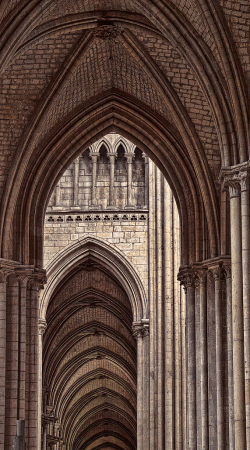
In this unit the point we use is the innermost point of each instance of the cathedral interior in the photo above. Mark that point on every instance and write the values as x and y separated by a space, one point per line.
124 225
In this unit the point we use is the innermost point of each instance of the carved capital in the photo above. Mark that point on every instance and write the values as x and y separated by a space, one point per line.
37 280
187 277
4 272
140 329
216 272
200 276
107 32
235 178
23 274
7 268
42 325
244 180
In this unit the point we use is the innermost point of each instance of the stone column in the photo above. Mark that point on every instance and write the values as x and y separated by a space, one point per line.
187 278
112 157
5 270
168 316
94 157
76 184
227 270
217 275
140 332
146 184
129 157
201 282
23 273
245 215
42 325
237 317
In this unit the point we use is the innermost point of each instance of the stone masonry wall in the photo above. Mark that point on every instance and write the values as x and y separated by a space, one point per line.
127 231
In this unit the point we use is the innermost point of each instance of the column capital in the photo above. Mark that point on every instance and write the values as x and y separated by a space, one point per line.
140 329
112 156
235 177
7 267
23 273
129 157
187 277
94 155
200 274
37 279
42 325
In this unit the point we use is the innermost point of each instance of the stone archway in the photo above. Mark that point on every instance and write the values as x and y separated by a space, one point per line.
81 280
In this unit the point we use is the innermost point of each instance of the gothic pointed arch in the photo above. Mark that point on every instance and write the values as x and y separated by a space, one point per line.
93 250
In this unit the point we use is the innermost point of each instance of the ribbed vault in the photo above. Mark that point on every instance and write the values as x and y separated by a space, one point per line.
89 362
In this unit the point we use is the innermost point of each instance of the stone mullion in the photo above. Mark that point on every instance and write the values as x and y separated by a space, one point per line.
237 317
146 184
94 157
112 157
76 183
245 215
168 317
129 157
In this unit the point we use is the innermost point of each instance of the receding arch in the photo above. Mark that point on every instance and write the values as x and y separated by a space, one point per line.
193 189
106 254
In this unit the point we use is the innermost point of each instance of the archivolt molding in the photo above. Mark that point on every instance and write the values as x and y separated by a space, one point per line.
145 129
107 255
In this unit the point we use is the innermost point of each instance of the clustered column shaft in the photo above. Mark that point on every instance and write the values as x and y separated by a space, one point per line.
112 157
19 328
94 157
76 181
237 318
129 157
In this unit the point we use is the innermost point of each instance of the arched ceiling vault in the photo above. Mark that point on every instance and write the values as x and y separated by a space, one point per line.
89 359
172 79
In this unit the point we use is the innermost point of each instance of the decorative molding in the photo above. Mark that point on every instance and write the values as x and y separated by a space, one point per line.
61 216
108 32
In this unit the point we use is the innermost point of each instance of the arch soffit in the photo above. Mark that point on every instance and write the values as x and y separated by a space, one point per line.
146 130
106 254
168 20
